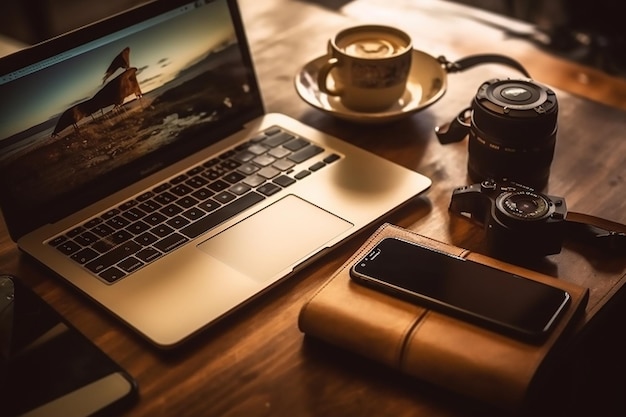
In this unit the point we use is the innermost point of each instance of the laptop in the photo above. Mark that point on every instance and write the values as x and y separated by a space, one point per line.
137 163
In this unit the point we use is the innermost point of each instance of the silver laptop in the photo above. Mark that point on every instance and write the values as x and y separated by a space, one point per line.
137 163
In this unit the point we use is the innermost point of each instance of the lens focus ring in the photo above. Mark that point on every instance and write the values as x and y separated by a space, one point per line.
523 205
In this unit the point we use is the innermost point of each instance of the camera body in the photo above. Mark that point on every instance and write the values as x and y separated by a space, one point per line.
519 222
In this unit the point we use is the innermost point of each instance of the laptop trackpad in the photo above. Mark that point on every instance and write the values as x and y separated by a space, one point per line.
275 239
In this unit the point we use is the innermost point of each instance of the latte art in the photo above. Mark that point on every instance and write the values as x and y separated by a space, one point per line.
373 45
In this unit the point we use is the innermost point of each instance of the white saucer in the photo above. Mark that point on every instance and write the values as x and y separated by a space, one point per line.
427 83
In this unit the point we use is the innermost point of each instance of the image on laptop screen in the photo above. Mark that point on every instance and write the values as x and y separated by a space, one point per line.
156 88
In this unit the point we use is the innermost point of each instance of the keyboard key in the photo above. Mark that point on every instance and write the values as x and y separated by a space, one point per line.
222 214
85 255
134 214
154 219
76 231
165 198
219 185
161 188
145 196
302 174
177 222
171 210
128 204
57 240
268 172
170 243
248 169
264 160
277 139
202 194
178 179
86 239
193 213
224 197
91 223
195 170
239 189
110 213
284 181
118 222
234 177
244 156
69 247
284 164
305 153
181 190
112 274
120 236
138 227
279 153
130 264
149 206
209 205
254 181
102 230
296 144
187 202
111 258
146 238
161 230
268 189
317 166
257 149
103 246
148 254
196 182
229 165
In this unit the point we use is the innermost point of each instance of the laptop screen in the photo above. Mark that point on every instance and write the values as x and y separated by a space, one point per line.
88 113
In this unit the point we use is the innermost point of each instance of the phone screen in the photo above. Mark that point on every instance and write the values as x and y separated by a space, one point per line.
469 290
48 367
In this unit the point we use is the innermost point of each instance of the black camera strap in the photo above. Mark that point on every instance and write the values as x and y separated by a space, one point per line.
473 60
597 232
456 130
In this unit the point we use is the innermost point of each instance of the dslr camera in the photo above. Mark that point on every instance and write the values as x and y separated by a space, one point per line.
519 222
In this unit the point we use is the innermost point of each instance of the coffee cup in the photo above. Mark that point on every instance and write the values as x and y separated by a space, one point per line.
370 66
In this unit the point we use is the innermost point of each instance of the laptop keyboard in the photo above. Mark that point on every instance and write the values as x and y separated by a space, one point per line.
143 229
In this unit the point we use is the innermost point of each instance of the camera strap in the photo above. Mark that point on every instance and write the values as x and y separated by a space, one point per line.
473 60
456 130
596 231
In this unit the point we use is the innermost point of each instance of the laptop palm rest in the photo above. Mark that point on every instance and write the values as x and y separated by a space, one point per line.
276 238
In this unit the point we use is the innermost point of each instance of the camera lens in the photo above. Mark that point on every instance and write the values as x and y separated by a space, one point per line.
523 205
513 132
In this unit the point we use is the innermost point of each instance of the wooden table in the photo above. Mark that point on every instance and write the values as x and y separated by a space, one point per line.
257 363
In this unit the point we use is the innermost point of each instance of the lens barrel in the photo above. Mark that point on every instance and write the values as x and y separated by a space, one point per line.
513 132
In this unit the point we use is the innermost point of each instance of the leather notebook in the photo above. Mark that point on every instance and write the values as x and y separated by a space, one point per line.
445 351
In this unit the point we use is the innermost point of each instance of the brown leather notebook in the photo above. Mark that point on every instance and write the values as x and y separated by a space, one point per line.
445 351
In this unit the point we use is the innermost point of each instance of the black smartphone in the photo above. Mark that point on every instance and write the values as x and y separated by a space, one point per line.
48 368
487 296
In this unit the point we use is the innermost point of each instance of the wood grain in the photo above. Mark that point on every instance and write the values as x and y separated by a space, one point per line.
256 362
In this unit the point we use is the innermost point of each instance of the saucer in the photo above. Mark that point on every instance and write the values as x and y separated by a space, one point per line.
426 84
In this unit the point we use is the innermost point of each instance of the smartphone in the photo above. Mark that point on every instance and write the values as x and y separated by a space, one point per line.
48 368
487 296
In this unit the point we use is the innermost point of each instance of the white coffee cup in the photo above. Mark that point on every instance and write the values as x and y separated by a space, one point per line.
370 66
